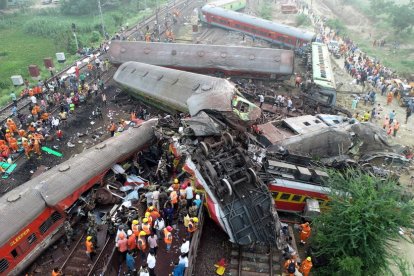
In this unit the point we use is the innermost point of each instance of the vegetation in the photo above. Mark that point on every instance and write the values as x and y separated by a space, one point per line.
401 16
364 216
302 20
266 10
337 25
28 35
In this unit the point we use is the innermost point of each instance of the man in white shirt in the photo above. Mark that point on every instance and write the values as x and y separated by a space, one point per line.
155 199
261 100
183 260
33 99
185 247
151 261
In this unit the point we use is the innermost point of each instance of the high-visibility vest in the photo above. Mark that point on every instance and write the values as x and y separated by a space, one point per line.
173 196
89 246
146 228
191 227
135 229
132 242
167 236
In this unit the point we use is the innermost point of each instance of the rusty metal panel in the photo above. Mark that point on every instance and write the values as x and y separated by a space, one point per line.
199 56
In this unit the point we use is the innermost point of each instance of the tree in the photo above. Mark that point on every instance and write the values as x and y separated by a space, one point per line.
380 6
364 215
402 17
81 7
3 4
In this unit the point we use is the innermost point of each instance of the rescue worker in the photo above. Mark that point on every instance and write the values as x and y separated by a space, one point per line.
5 151
112 128
192 227
174 199
147 37
291 266
168 237
154 214
305 232
26 146
13 144
122 245
56 272
36 141
35 111
22 133
146 226
396 128
135 227
306 266
390 96
150 220
142 244
11 125
8 135
90 249
176 185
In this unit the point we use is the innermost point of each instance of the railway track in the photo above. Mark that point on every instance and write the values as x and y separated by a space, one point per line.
257 261
78 264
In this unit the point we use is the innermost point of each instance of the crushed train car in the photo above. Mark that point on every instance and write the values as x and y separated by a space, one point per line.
218 60
174 90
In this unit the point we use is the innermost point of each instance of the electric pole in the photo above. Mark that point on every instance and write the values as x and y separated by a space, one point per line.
102 20
74 34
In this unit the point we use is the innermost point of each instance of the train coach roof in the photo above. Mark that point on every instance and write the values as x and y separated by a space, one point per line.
199 56
182 90
266 24
23 204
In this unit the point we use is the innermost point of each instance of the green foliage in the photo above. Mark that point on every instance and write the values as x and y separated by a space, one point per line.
302 19
3 4
266 10
118 18
83 7
337 25
380 6
4 84
95 36
364 215
402 17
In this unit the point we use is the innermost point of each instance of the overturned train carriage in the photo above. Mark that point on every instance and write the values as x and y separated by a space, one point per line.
33 213
174 90
249 62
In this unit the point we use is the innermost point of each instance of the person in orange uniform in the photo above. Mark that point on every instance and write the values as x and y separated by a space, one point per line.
192 227
35 111
305 232
168 237
154 213
27 147
11 125
150 220
112 128
22 133
146 226
36 143
5 151
174 199
291 266
396 128
56 272
142 245
13 144
306 266
90 248
135 227
132 241
8 135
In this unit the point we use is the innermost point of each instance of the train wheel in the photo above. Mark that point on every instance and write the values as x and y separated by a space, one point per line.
253 176
226 184
204 148
228 139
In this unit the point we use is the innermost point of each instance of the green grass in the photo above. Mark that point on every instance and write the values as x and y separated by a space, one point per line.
19 49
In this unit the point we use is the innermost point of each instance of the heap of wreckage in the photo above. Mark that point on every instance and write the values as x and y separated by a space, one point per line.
218 147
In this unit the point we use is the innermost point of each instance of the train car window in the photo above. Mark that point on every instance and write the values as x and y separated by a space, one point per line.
285 196
49 222
14 253
297 198
275 194
4 265
32 238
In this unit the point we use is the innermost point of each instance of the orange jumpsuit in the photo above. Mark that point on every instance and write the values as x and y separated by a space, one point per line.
305 267
36 143
11 125
2 142
13 144
305 233
8 135
27 147
22 133
5 151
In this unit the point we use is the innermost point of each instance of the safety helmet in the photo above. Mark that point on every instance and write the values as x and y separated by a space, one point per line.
121 235
151 208
147 214
129 232
135 222
195 219
7 130
308 259
176 181
30 136
88 238
145 220
169 228
142 233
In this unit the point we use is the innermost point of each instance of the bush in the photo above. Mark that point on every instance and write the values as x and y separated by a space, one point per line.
4 85
95 36
337 25
302 19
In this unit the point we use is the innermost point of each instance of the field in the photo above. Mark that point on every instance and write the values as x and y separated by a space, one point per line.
23 44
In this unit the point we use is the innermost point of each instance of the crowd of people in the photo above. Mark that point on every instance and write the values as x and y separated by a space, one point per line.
169 209
29 132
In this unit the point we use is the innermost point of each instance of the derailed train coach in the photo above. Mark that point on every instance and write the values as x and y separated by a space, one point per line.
218 60
33 214
174 90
